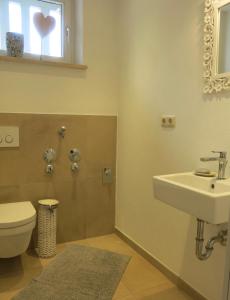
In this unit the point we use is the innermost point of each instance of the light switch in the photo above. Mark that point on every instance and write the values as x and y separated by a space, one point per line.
9 137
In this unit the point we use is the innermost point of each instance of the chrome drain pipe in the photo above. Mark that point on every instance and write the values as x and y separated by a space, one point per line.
220 238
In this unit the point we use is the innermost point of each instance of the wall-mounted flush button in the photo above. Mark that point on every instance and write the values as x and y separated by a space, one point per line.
9 139
9 136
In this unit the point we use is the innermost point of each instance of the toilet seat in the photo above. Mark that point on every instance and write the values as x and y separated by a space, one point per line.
16 214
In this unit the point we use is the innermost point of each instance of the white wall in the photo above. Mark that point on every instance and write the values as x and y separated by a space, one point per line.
38 89
162 73
160 70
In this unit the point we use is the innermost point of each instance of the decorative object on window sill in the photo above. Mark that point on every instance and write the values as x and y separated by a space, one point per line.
44 26
15 44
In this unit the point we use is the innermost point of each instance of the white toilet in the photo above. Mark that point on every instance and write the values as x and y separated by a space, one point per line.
17 221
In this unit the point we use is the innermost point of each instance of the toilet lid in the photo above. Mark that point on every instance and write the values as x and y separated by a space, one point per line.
16 214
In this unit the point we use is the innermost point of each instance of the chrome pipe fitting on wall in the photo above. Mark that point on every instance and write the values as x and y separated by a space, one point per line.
221 238
62 132
75 157
75 167
49 156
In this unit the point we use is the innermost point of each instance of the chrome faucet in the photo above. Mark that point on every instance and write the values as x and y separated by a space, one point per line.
222 159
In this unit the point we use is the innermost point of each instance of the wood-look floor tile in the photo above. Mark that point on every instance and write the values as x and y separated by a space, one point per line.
112 243
141 280
154 290
139 276
130 297
8 295
169 294
121 292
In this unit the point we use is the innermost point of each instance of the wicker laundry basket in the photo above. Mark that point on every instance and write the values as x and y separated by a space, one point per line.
47 226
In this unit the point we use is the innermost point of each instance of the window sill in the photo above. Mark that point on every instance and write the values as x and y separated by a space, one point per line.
42 62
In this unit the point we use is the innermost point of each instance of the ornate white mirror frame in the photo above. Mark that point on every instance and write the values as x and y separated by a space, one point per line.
213 81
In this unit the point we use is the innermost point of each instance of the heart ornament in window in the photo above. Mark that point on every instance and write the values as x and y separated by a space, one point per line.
44 25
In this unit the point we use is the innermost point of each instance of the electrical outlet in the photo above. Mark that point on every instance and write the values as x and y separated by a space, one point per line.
168 121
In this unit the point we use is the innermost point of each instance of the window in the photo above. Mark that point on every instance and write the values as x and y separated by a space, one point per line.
17 16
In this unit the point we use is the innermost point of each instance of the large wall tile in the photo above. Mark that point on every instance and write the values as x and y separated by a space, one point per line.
86 205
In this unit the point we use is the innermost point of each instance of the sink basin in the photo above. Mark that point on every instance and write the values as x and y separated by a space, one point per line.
205 198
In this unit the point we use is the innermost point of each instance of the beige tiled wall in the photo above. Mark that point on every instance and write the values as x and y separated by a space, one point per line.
86 205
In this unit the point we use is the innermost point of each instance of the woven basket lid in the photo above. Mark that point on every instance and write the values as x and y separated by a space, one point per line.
48 202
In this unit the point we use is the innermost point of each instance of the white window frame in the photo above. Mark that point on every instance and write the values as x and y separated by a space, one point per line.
67 33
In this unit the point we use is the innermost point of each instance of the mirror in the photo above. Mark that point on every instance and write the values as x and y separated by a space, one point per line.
217 45
224 40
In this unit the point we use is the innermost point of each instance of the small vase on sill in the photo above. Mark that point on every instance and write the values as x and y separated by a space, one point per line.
15 44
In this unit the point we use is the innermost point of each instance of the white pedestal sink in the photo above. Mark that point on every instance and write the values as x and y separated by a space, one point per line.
205 198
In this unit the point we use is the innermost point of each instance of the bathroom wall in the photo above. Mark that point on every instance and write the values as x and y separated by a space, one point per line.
87 207
158 62
39 89
86 103
161 44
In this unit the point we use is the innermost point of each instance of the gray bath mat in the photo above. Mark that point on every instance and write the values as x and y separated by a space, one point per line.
79 273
